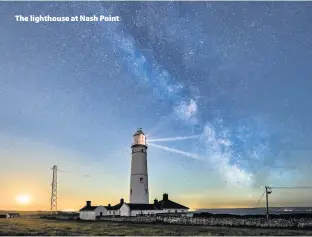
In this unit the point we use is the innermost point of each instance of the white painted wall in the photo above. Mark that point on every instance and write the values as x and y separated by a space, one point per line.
139 178
136 212
148 212
11 216
175 210
144 212
113 212
87 215
124 210
100 209
91 215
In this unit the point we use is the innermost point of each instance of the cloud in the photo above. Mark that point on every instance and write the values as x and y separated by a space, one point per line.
187 111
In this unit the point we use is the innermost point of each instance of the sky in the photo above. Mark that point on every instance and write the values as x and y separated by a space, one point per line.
221 89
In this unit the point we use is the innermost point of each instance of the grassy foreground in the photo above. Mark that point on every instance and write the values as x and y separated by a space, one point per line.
36 226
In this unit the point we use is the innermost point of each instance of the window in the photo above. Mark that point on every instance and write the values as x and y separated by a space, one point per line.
113 212
101 213
146 191
176 211
142 150
141 179
130 191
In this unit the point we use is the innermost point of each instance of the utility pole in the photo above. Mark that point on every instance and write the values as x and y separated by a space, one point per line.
267 192
54 191
267 202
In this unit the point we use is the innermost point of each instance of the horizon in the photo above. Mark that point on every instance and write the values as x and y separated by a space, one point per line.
221 90
193 210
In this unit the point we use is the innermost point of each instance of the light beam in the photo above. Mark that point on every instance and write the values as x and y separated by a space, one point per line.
169 139
173 150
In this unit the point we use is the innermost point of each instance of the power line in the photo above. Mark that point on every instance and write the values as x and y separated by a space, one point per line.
83 175
53 200
302 187
268 190
260 198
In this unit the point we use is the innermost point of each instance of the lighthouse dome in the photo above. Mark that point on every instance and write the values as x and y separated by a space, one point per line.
138 132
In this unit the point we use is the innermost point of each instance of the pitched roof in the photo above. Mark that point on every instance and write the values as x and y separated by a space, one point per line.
113 208
157 205
137 206
88 208
168 204
163 204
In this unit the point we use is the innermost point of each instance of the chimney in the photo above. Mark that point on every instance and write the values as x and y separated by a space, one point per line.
109 205
165 197
88 203
155 201
122 201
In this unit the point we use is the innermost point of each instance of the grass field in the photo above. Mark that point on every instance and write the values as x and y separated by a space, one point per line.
36 226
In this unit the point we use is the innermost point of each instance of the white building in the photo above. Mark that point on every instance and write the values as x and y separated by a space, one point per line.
114 210
139 177
158 207
139 194
10 215
92 212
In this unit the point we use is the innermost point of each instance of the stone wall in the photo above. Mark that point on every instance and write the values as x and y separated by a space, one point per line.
136 219
60 217
218 221
240 222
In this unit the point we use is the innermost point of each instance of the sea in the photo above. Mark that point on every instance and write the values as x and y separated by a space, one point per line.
258 211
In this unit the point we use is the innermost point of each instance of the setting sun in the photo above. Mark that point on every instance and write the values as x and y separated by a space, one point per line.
23 199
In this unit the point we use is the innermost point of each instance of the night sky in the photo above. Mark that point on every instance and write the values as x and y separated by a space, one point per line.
229 83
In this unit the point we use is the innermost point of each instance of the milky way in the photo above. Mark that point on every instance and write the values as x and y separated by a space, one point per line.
233 76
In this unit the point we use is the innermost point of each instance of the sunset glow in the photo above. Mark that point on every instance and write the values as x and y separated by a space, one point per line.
23 199
220 90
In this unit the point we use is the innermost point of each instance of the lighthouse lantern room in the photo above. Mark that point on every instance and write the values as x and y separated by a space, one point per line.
139 138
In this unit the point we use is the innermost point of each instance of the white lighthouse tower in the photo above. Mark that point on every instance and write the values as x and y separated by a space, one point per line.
139 178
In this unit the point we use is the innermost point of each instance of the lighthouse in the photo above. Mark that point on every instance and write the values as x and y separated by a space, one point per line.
139 177
139 194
